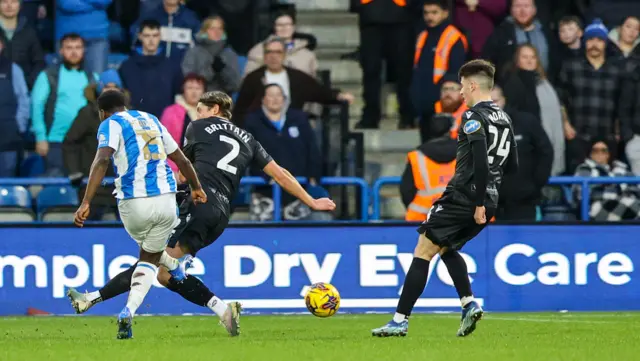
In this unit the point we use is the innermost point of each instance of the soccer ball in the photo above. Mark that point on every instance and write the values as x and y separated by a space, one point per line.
322 300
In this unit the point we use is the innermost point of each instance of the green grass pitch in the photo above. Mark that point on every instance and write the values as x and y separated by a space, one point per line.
512 337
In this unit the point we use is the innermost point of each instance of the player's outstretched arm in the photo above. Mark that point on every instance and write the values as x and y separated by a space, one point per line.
186 169
291 185
96 175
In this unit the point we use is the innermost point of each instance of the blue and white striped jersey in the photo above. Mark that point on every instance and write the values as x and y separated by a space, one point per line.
141 146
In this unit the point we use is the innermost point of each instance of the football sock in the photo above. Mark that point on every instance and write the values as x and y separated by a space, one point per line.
94 297
192 290
143 277
169 262
457 268
413 287
218 306
118 285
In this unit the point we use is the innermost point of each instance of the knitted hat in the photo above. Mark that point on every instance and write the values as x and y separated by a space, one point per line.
596 30
109 76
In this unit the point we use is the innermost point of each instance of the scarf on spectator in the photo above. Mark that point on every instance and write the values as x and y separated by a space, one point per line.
551 118
536 38
191 110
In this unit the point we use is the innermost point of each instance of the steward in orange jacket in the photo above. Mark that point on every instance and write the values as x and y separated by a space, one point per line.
451 103
429 169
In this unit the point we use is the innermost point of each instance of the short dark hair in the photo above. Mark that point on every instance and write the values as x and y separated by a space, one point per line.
194 77
221 99
150 24
285 13
443 4
478 67
71 36
112 100
565 20
271 85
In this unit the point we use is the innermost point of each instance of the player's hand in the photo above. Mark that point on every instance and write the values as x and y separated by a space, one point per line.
569 131
323 204
81 215
42 148
198 196
480 215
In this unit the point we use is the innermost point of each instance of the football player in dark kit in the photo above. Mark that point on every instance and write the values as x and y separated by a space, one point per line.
220 153
486 150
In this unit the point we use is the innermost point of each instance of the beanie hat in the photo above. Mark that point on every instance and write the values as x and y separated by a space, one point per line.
109 76
596 30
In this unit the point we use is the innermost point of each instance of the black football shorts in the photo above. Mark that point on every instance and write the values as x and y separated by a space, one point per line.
200 225
451 224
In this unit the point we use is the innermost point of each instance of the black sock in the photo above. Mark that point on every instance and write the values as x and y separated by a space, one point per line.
192 290
457 268
414 285
118 285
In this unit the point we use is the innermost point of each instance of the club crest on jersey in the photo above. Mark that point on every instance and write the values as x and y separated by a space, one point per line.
471 126
294 132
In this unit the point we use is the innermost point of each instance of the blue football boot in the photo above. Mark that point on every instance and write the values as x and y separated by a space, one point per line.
125 320
180 273
392 329
471 314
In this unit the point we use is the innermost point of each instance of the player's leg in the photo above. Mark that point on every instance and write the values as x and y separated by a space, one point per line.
414 285
116 286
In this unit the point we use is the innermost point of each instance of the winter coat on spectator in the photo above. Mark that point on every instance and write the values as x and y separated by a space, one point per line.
613 12
304 89
294 146
152 80
183 22
380 12
176 118
298 57
614 50
501 46
610 202
216 62
88 18
629 105
81 143
23 48
479 24
535 157
14 105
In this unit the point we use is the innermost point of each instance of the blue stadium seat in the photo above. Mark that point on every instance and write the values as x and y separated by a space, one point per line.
115 59
15 204
32 166
57 203
51 58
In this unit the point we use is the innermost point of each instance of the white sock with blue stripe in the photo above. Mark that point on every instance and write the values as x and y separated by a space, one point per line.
141 282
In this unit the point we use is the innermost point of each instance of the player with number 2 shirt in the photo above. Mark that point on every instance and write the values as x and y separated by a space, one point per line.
486 150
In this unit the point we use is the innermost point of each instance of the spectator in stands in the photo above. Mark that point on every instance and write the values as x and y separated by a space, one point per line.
521 192
14 113
212 58
608 202
441 50
177 117
529 91
478 19
179 27
629 115
57 96
386 32
429 168
33 10
152 79
450 104
625 38
520 28
298 56
299 87
21 43
570 33
80 144
286 134
88 18
612 12
589 88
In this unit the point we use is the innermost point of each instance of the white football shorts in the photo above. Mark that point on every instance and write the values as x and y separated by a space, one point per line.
150 220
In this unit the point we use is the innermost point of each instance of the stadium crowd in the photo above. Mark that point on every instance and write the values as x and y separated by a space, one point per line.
567 73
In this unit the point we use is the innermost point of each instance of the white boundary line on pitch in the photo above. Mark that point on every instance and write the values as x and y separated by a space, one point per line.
352 303
489 317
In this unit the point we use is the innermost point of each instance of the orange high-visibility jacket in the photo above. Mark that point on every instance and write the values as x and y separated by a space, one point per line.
449 37
431 179
457 115
398 2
